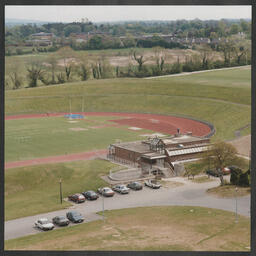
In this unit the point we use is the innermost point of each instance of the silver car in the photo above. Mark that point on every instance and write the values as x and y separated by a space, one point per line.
122 189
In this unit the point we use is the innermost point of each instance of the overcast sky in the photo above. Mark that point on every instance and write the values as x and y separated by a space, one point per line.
122 13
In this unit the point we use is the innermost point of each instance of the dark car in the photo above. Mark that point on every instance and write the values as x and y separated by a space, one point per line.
91 195
212 173
135 185
77 198
75 217
60 221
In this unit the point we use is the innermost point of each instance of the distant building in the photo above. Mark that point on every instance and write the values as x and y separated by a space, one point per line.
43 36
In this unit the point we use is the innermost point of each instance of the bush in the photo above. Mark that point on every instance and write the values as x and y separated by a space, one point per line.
235 174
244 180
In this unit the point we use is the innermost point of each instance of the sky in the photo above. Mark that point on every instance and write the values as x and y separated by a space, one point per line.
121 13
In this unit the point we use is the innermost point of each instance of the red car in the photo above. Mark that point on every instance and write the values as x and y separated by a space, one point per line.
77 198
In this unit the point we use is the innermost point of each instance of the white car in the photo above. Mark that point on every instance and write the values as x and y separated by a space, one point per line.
152 184
44 224
122 189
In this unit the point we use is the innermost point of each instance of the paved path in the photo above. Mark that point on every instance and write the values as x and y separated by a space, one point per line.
58 159
197 72
192 194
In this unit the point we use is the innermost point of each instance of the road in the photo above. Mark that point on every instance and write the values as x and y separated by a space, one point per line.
193 194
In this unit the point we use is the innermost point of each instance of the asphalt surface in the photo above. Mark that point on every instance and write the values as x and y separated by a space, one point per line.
191 194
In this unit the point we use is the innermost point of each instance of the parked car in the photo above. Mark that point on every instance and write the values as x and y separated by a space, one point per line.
106 191
135 185
152 184
91 195
75 217
77 198
60 221
212 173
44 224
122 189
226 171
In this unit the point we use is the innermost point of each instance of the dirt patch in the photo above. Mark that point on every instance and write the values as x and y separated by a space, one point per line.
243 145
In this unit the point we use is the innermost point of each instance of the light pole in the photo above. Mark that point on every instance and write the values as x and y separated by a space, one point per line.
60 191
103 218
236 204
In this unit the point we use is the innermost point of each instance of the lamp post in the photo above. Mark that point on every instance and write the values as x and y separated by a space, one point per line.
236 189
60 191
103 218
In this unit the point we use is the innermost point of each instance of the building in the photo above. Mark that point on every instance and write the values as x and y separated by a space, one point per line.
159 153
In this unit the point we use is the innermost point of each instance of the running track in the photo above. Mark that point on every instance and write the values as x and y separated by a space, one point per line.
158 123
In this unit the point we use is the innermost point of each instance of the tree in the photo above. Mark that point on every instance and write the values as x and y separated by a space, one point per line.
53 63
219 155
67 55
72 29
139 59
83 68
35 73
159 53
15 77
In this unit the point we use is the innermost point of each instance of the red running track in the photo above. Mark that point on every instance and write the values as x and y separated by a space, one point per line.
57 159
154 122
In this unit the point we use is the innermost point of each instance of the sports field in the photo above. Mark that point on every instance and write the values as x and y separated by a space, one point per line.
219 97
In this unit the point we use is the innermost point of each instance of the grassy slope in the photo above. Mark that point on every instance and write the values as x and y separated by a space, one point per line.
177 228
211 96
42 137
27 196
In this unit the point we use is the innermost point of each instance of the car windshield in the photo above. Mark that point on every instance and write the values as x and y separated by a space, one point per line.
122 187
62 218
45 221
91 193
107 189
76 214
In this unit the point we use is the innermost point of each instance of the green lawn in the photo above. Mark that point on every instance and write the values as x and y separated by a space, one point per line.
42 137
35 189
171 228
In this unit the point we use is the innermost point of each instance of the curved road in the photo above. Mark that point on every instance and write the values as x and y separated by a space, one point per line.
193 194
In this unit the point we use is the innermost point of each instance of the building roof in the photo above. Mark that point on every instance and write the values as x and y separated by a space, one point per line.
187 151
136 146
154 155
181 139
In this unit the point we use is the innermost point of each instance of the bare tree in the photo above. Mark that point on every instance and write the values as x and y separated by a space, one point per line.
138 58
52 60
83 67
67 55
35 73
159 55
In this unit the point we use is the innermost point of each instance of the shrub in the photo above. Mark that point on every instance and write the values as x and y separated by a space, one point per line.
235 173
244 180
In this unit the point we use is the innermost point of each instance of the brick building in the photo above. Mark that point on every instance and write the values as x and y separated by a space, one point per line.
159 153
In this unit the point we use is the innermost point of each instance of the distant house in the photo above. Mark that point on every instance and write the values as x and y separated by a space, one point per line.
43 36
41 39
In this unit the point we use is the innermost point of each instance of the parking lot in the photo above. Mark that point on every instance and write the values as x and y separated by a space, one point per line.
188 194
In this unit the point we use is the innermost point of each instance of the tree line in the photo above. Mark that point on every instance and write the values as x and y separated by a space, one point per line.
67 65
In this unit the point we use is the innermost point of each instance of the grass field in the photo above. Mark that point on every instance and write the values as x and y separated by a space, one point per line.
39 191
174 228
220 97
229 191
41 137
